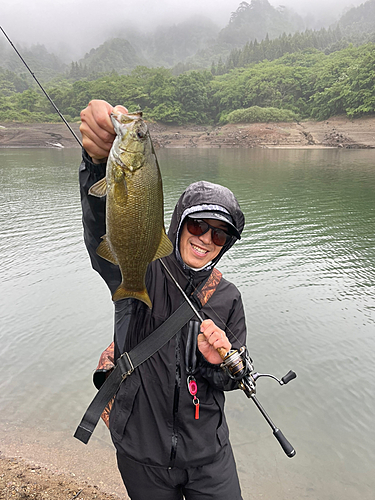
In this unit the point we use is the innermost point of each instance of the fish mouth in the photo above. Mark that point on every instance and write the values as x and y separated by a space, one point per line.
129 147
125 123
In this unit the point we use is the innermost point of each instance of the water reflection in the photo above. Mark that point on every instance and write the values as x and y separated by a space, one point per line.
305 268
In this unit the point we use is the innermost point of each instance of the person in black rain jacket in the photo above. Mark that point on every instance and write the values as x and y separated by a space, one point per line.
166 449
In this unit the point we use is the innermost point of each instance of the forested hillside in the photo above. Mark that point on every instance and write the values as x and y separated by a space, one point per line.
310 74
45 64
359 22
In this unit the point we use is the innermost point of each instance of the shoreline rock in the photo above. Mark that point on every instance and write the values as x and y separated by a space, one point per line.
337 132
20 479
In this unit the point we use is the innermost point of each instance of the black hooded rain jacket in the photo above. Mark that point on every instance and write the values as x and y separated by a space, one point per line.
153 418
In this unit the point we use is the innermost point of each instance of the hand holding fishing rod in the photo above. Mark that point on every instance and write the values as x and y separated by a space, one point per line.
240 368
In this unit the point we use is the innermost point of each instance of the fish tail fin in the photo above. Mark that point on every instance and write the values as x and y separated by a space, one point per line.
123 293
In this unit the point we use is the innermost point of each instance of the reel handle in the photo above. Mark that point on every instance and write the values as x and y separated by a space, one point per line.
289 376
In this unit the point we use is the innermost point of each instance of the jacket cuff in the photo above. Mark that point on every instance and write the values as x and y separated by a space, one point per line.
207 364
93 168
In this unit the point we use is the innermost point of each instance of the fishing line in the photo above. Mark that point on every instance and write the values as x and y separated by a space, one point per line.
183 293
192 305
44 92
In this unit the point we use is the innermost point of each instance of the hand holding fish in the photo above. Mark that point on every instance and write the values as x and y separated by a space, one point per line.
210 339
97 128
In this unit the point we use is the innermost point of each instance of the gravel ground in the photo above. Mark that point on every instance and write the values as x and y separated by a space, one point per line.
22 480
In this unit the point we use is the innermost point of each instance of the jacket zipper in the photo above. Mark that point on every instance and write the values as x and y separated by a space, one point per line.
176 399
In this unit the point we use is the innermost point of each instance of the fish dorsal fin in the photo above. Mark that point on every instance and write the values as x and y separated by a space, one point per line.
165 246
105 251
99 189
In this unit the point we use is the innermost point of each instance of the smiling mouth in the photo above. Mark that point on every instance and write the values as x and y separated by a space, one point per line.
200 251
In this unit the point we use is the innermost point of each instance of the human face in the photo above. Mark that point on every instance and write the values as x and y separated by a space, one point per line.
201 226
197 251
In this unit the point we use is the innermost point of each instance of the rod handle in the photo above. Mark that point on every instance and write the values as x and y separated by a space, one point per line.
284 443
289 376
222 352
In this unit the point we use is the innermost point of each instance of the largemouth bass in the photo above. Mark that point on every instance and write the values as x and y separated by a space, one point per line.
134 209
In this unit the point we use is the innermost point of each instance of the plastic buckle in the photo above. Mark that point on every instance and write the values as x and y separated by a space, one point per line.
126 365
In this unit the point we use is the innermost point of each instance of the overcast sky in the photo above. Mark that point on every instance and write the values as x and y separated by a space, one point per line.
83 24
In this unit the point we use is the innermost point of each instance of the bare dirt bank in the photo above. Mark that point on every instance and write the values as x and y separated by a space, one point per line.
338 132
43 464
22 480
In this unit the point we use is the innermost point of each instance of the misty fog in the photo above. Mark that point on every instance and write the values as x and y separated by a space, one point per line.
70 28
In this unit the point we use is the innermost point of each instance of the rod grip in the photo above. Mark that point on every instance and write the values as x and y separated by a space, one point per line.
222 352
285 445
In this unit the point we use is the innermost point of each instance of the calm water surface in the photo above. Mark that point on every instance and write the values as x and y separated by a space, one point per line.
305 267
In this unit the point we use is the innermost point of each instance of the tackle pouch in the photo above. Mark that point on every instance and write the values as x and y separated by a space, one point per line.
105 366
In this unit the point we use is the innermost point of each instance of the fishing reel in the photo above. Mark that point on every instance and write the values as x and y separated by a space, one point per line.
239 367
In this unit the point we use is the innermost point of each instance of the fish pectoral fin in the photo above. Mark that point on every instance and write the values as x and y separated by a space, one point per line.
105 251
165 246
123 293
99 189
120 192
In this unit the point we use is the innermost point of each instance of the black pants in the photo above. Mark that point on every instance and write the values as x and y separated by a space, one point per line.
215 481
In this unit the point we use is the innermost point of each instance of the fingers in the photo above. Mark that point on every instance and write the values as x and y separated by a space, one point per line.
120 109
96 147
214 335
97 129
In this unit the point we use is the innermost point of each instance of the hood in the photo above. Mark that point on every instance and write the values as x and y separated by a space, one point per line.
205 195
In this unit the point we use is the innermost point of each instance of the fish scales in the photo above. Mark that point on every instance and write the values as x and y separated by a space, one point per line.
134 207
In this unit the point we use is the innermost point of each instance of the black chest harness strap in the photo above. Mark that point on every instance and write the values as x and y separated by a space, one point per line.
127 363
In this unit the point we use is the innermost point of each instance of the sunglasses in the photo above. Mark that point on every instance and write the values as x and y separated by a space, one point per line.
197 227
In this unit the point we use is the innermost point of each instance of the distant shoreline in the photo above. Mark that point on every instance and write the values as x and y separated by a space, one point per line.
337 132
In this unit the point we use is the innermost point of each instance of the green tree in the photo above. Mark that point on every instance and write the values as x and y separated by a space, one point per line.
191 93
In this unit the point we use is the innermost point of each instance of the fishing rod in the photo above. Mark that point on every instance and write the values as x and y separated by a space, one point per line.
44 92
238 365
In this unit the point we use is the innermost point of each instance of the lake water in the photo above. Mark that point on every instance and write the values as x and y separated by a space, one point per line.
306 270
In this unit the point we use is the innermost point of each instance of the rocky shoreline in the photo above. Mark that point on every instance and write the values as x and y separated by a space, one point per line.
337 132
24 480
